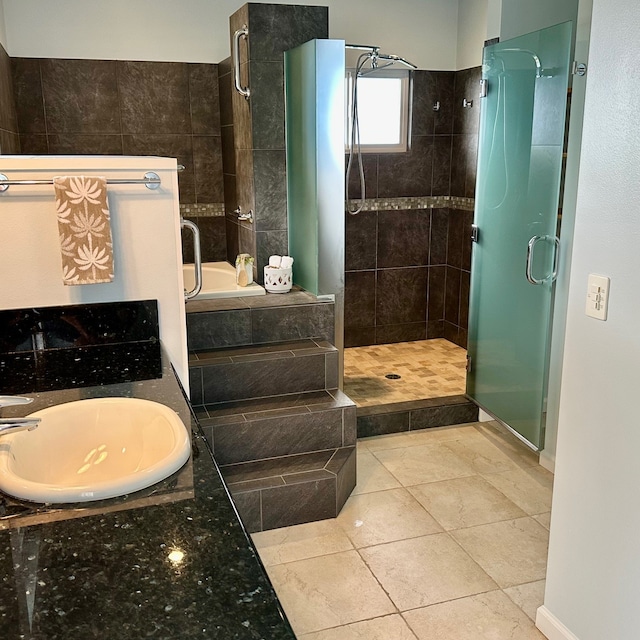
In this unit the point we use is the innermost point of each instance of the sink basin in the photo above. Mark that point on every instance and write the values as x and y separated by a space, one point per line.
93 449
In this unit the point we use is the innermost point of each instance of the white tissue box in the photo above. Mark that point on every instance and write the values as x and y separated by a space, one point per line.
278 280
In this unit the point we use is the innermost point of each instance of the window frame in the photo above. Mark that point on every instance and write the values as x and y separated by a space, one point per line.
406 109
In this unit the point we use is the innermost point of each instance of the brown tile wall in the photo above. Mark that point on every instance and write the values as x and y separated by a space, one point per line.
258 124
9 140
408 272
131 108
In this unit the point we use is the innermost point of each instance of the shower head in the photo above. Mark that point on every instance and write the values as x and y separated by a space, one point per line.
394 58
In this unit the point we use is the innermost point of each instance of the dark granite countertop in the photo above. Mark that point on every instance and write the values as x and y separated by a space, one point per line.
172 561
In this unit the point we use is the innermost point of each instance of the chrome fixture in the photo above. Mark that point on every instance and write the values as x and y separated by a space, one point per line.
540 71
372 56
467 104
529 264
240 33
151 180
436 105
12 425
244 216
197 259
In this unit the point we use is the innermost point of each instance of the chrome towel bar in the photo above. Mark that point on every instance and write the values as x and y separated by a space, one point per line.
151 180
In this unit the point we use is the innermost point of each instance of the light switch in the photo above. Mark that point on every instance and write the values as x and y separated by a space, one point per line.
597 297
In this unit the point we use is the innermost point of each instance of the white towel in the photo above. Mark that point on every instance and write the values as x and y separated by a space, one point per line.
274 262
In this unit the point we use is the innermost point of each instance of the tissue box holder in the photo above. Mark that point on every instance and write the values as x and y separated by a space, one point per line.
278 280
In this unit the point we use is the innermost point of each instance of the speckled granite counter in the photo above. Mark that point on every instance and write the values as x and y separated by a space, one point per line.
169 562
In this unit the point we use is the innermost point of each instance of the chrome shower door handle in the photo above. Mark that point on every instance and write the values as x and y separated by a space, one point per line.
529 265
556 258
240 33
197 259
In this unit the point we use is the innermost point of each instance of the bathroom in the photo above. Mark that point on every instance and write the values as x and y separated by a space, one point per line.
135 138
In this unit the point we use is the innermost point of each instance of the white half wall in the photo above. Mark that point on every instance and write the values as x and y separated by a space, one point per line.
145 225
593 576
422 31
472 32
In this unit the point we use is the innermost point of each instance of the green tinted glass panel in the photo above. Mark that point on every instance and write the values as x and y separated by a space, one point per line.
302 185
521 139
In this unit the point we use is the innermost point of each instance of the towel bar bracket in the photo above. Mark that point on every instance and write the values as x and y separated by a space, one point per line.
151 180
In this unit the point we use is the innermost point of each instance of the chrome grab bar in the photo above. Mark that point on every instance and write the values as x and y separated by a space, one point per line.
240 33
197 259
529 264
151 180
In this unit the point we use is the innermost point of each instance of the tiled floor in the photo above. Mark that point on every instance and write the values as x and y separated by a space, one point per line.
444 538
427 369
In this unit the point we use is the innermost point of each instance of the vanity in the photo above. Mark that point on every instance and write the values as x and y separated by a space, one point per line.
170 561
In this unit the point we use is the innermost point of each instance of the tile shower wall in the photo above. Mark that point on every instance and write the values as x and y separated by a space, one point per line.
9 140
258 123
408 271
129 108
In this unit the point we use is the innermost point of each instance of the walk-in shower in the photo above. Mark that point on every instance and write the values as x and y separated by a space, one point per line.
369 62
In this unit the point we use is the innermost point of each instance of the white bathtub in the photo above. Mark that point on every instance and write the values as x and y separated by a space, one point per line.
219 281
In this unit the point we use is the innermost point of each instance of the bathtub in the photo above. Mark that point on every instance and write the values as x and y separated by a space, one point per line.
219 281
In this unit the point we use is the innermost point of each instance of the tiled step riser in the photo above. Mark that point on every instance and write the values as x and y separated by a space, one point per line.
237 327
241 440
416 419
260 378
297 499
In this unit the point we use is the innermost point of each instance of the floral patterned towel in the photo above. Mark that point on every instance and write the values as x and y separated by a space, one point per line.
85 231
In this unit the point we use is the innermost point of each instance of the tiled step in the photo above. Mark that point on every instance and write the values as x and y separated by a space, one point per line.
287 459
415 415
228 322
292 490
278 426
257 371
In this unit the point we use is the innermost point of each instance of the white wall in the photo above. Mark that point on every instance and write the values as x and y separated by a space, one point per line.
472 32
146 236
523 16
3 31
423 31
593 579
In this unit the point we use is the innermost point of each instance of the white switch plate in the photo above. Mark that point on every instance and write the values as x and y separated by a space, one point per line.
597 296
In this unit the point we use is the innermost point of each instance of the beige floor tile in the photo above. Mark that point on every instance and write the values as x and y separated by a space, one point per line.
328 591
488 616
530 488
372 474
385 516
480 454
424 463
301 541
500 437
387 628
512 552
419 437
465 502
528 596
426 570
544 519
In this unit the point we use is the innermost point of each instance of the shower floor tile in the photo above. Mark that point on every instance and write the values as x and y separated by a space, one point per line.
427 369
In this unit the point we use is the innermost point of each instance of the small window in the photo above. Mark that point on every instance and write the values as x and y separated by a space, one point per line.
384 111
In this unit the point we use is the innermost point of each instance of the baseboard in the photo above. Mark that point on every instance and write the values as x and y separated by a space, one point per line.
547 461
551 627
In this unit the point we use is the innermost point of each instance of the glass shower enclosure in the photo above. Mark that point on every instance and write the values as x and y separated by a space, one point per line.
520 159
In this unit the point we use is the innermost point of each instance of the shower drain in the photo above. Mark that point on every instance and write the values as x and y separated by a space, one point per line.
393 376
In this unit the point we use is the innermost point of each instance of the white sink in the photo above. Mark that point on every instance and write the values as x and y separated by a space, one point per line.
92 450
